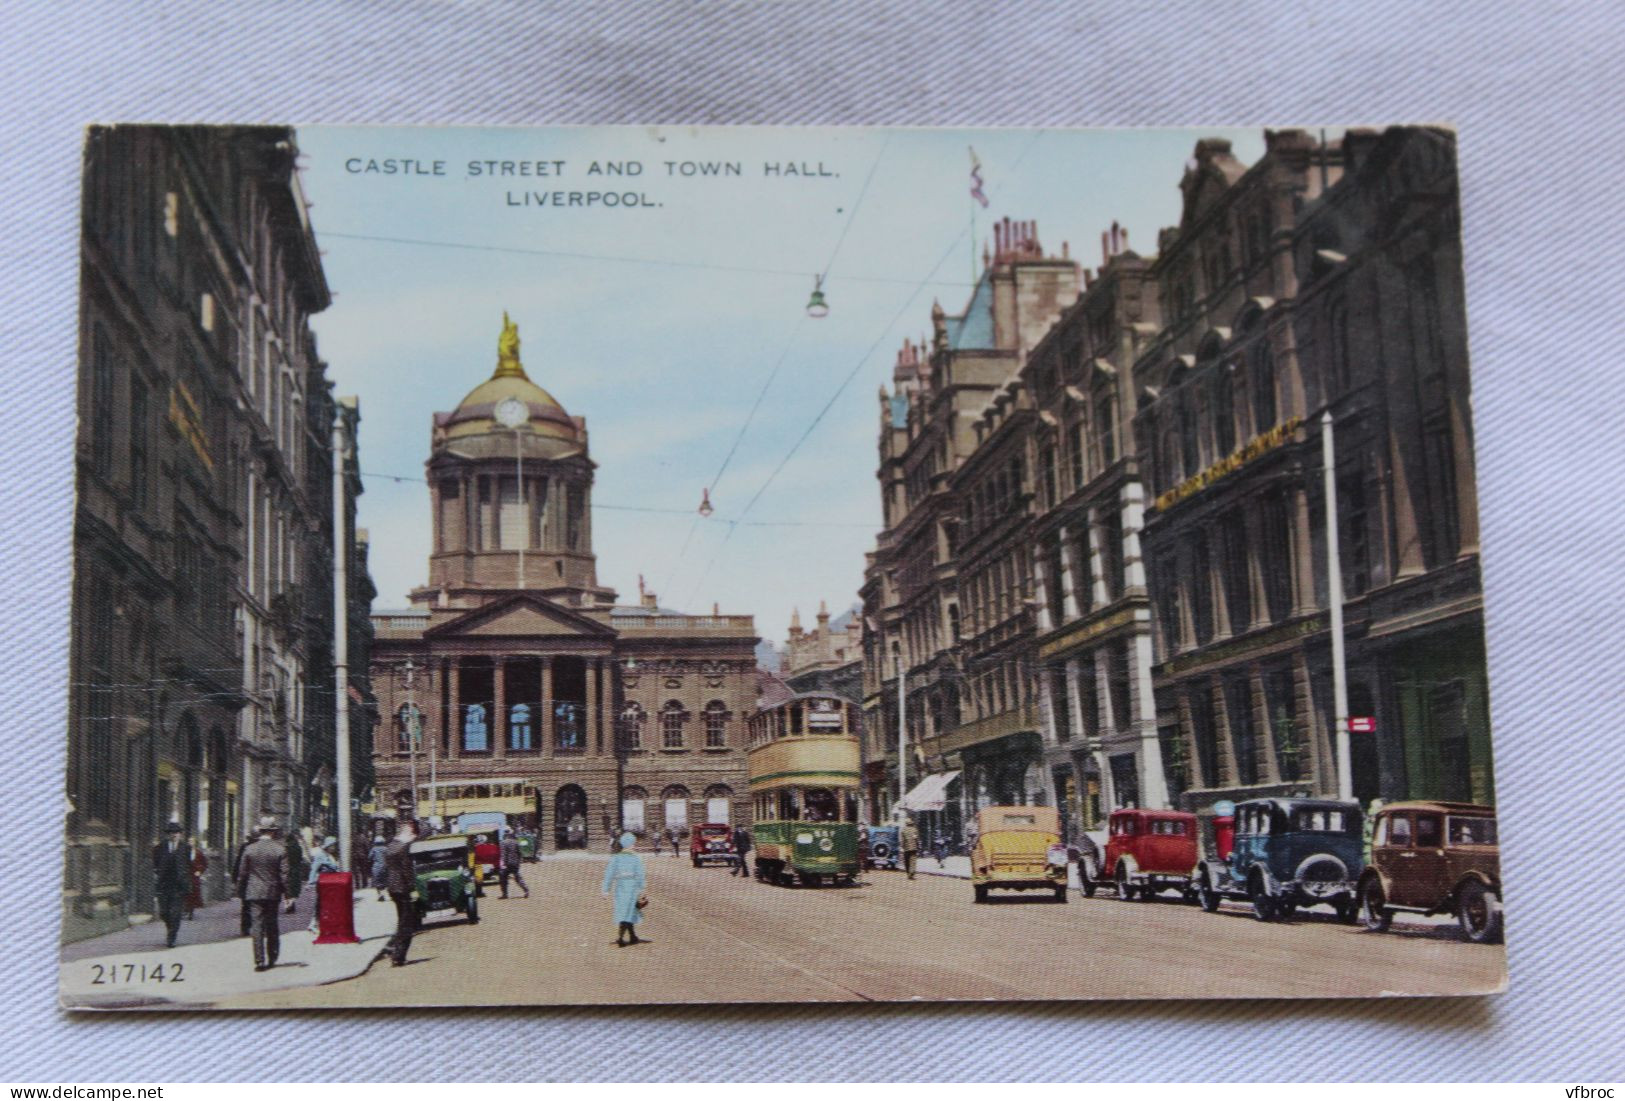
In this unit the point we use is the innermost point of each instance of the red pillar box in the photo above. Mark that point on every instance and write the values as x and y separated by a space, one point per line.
335 909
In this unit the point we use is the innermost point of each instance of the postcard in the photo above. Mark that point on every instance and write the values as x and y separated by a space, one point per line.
616 565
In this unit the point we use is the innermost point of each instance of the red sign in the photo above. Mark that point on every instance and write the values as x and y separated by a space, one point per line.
1363 724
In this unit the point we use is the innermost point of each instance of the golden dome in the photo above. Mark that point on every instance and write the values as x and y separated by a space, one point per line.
475 414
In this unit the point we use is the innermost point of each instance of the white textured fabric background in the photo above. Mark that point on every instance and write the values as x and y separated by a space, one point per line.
1536 92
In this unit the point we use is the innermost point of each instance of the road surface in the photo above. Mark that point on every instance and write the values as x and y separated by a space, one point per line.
716 938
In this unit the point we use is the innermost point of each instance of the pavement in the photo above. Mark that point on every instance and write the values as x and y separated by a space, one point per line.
212 961
710 937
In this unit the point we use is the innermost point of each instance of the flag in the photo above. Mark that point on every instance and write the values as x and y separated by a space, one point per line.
976 191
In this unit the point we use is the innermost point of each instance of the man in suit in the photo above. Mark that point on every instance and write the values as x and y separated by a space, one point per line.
401 882
264 879
511 859
742 850
172 877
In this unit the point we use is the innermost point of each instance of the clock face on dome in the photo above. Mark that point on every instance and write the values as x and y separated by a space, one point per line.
511 413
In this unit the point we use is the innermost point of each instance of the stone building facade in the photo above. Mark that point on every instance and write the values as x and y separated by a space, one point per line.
204 426
533 690
1323 278
946 592
1103 567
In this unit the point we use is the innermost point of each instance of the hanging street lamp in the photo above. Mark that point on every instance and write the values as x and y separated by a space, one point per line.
816 306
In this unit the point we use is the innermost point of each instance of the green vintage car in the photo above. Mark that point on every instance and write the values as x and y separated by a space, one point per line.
445 877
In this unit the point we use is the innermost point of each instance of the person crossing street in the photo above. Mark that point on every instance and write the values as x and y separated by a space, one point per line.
509 864
742 852
909 841
401 881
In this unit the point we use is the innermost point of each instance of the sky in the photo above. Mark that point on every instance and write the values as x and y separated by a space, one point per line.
671 316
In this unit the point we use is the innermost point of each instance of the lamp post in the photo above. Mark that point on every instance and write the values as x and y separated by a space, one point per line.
902 728
414 727
1334 597
512 413
341 633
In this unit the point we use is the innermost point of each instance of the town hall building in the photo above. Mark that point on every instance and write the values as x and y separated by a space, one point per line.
516 682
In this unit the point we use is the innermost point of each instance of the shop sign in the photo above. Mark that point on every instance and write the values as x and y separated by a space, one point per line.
1252 449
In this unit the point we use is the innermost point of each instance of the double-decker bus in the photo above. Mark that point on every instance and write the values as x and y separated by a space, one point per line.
804 777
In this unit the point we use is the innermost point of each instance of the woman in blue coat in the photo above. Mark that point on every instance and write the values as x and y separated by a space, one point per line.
624 880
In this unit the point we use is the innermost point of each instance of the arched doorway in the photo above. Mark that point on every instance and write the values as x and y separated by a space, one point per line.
570 818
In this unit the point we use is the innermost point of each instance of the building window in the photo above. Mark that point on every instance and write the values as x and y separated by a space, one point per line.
1443 521
1201 588
1237 580
633 800
1075 453
1238 704
1117 685
476 730
520 734
671 725
408 728
572 517
138 443
1165 594
1337 333
1353 522
1280 700
1111 553
1046 464
1276 541
1060 706
1106 427
716 725
1262 361
1202 734
1224 413
629 727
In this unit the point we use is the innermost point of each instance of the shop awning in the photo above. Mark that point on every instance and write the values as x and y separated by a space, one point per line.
930 793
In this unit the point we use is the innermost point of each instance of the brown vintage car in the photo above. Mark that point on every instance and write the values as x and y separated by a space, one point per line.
1435 858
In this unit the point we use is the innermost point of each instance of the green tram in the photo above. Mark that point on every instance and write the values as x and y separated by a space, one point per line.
804 780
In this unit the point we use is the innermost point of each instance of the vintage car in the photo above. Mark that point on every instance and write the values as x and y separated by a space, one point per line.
446 881
712 842
1018 849
883 847
1287 853
1435 858
1147 852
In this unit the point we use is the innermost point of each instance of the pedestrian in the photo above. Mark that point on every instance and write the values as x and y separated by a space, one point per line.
939 849
742 850
295 851
376 873
172 878
509 866
264 878
624 881
196 866
908 840
323 858
243 909
401 882
1086 855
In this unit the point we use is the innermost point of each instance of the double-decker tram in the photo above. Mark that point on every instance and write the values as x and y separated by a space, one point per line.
804 777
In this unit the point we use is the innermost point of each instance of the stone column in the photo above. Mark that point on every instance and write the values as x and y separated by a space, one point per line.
454 732
1153 782
1214 687
1133 502
591 737
1074 700
1269 768
1097 572
499 707
1046 707
1069 595
1303 555
544 720
1041 584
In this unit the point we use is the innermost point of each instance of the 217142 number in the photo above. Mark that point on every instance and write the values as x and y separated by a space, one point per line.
130 974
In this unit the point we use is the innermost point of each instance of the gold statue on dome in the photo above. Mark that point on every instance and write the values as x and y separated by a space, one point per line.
508 348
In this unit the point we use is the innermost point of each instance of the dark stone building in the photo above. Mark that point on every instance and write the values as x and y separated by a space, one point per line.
200 396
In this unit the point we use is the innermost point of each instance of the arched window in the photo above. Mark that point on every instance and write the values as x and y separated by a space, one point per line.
408 723
629 727
1224 412
716 725
633 800
675 800
719 803
1261 361
671 725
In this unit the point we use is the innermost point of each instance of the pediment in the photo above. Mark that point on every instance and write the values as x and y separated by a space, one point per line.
523 616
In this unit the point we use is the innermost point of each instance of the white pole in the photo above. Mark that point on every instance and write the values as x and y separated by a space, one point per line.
902 734
341 636
519 494
1334 596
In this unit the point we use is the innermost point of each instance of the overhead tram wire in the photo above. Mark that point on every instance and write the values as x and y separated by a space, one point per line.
778 364
645 260
657 511
847 381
